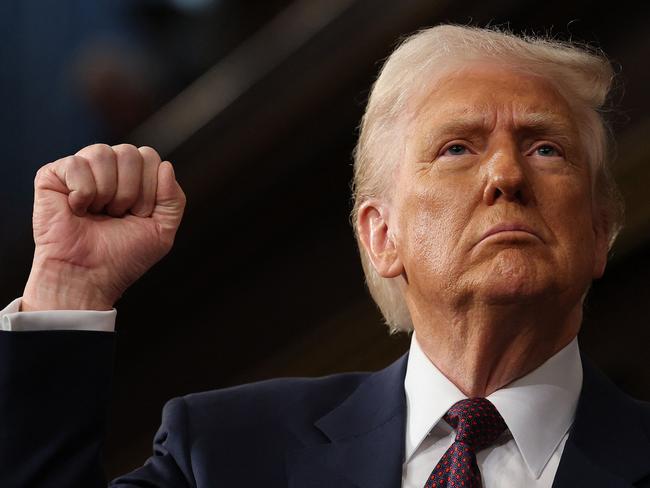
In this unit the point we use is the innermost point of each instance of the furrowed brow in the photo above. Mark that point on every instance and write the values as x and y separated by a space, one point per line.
459 125
456 125
546 124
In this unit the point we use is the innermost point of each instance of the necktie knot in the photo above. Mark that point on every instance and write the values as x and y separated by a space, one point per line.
477 422
478 425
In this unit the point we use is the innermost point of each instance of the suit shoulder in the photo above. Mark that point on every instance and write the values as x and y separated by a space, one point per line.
276 397
260 421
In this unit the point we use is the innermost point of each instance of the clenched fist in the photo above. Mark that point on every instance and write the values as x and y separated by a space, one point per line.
102 218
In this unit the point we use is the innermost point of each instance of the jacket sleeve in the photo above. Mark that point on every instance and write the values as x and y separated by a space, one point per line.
54 396
170 465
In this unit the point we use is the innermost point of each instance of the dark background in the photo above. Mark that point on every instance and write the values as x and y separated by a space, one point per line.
257 105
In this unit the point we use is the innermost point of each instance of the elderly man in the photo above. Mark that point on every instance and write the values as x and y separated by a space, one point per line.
483 210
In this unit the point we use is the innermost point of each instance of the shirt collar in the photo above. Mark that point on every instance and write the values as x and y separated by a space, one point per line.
538 408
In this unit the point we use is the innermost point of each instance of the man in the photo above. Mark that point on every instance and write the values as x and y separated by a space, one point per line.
483 209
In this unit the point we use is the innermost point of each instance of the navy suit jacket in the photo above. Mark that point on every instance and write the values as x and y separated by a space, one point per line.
341 431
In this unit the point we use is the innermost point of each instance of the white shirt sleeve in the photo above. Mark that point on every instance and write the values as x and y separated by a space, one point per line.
11 319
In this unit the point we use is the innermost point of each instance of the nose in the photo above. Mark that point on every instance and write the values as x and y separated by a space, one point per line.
506 180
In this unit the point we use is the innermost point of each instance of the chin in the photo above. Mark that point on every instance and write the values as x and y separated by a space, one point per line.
513 276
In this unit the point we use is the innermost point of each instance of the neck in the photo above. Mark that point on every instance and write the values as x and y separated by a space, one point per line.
485 347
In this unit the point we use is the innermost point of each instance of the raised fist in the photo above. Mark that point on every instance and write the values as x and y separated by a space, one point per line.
102 218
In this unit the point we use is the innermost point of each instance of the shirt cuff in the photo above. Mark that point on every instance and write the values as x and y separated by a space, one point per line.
11 319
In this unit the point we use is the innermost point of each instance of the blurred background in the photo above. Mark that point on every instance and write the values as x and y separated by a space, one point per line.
257 104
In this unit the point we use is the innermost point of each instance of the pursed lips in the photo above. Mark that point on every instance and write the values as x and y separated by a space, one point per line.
509 227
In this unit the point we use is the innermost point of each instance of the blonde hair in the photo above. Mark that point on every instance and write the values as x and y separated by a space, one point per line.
582 75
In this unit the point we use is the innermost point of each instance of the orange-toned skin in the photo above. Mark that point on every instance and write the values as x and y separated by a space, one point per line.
102 218
491 225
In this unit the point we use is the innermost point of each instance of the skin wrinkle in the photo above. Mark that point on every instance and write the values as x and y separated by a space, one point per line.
488 312
419 94
471 124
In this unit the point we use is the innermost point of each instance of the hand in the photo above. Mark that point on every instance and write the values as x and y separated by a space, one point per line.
101 219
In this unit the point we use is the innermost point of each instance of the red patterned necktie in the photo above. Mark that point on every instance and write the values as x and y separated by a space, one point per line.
478 425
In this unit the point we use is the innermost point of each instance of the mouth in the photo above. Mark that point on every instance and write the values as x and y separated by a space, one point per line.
513 231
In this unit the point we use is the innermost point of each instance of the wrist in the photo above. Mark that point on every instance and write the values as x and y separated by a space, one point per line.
62 287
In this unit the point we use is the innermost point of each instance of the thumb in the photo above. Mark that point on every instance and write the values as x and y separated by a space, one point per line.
170 201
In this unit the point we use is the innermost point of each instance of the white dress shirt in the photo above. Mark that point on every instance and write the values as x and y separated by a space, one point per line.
538 410
11 319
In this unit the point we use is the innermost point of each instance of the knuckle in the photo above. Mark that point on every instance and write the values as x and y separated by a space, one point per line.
149 152
126 150
99 152
43 169
41 174
73 162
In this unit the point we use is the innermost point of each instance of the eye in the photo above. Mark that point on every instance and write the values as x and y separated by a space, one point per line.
548 151
455 150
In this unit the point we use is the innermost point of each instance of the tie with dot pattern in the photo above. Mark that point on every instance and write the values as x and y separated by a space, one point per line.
478 425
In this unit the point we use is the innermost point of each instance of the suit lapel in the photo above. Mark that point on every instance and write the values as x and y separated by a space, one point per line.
608 445
366 434
576 469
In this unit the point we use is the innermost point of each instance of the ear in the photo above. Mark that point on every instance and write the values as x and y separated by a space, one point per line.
601 243
377 239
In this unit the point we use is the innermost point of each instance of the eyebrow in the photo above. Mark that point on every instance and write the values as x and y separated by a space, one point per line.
545 123
528 124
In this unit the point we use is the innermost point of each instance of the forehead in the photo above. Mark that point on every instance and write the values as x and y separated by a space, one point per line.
487 94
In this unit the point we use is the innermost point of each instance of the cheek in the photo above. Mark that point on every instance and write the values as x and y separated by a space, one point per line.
429 229
570 216
573 214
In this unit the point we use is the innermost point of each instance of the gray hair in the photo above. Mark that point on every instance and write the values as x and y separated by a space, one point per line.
582 75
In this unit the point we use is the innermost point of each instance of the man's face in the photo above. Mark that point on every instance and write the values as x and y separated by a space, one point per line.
493 196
